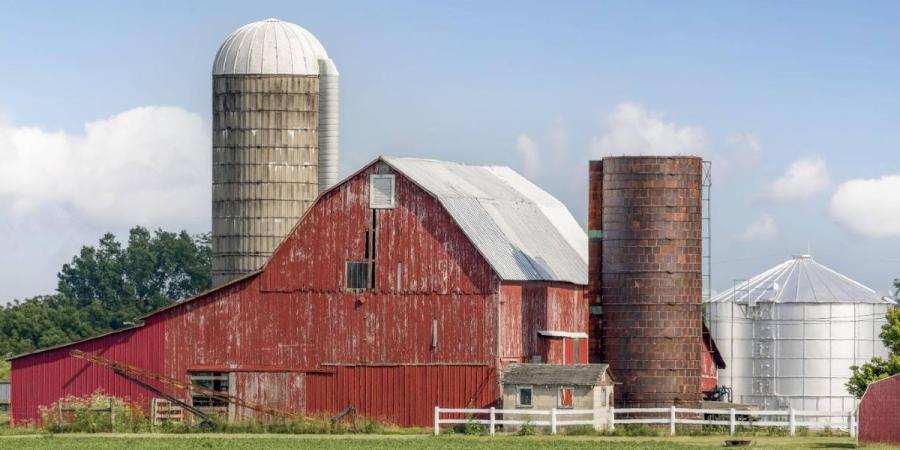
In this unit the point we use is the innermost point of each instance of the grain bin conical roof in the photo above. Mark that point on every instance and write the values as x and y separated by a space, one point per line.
800 280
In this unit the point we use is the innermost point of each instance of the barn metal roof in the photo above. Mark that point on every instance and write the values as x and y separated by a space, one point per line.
801 280
271 47
551 374
524 233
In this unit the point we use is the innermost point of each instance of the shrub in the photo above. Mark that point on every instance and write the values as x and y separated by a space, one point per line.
94 413
469 428
527 429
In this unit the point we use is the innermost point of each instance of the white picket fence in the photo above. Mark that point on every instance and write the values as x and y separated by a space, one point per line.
556 418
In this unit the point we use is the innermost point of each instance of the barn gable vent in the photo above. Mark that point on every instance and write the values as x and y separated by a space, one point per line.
381 191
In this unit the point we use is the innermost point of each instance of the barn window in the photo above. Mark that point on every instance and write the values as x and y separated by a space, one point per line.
523 396
216 381
358 275
381 191
565 397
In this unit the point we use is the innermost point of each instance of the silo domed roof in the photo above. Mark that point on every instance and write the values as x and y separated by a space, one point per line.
270 47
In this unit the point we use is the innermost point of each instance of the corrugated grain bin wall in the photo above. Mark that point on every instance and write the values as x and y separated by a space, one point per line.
651 280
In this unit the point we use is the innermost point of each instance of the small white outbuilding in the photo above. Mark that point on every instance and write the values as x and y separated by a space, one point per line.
547 386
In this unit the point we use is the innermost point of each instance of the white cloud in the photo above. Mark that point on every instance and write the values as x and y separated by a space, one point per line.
868 207
803 179
762 229
546 154
149 166
633 130
529 152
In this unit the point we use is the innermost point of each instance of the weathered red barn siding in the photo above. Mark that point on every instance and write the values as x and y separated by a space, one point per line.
709 374
281 390
405 394
41 379
529 307
293 338
879 412
370 350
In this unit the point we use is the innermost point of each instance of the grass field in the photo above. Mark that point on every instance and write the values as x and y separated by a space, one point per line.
247 441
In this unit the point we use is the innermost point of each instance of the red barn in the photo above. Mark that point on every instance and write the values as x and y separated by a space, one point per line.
410 284
710 363
879 412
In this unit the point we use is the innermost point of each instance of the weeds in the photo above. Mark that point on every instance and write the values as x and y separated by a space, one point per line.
581 430
94 413
527 429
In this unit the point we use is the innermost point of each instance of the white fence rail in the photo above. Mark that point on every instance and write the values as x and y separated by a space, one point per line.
671 416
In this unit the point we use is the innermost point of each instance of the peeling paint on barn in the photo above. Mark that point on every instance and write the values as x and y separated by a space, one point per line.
459 289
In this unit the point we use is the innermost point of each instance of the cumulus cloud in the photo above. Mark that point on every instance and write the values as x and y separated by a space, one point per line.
761 229
803 179
149 165
547 153
632 129
868 207
529 152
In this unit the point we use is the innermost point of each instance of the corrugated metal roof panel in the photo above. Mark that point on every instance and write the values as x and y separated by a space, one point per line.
801 280
525 233
271 47
550 374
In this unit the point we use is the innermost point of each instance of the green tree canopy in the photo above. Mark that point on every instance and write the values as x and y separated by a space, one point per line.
106 285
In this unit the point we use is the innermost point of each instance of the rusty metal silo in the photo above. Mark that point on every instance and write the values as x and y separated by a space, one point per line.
646 224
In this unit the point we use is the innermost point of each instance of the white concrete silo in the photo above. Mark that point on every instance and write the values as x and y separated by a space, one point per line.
790 334
275 140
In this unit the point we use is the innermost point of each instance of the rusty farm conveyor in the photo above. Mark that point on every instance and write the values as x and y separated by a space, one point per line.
134 374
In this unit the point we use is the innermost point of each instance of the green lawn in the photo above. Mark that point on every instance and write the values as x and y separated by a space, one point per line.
245 441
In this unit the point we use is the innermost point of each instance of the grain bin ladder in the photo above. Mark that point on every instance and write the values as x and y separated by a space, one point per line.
133 373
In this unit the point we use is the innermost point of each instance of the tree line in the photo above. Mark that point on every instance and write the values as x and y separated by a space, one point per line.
106 286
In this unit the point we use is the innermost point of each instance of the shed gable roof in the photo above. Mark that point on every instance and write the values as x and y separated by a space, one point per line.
553 374
523 232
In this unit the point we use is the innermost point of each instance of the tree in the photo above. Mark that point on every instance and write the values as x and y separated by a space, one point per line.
107 285
4 370
879 368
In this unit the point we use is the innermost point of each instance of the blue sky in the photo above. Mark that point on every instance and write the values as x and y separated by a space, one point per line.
104 112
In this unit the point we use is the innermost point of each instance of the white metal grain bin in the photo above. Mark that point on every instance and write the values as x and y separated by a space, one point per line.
790 334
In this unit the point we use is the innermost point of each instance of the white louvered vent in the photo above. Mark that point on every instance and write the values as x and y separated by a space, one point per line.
381 191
